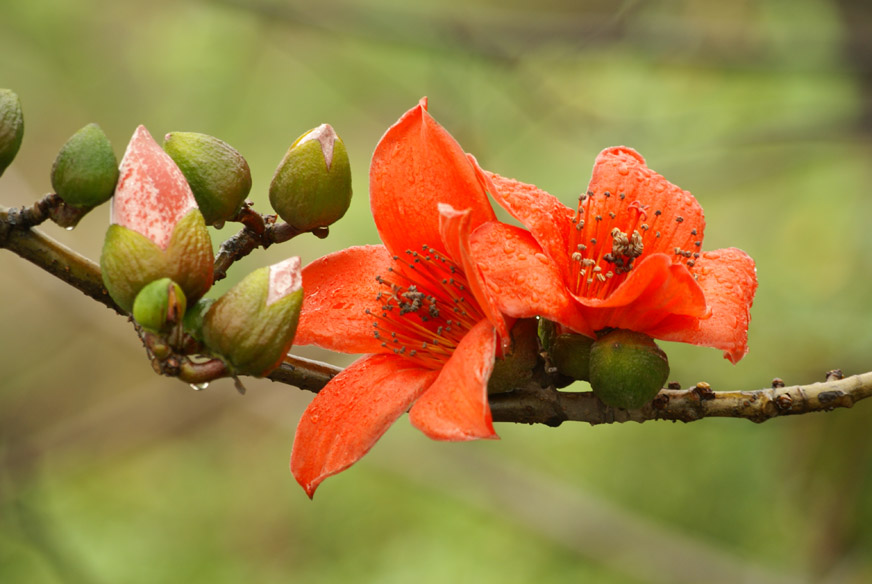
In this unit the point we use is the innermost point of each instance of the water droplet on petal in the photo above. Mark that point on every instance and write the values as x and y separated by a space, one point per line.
623 169
542 258
199 386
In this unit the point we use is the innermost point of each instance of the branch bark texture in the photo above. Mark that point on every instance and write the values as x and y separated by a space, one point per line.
528 405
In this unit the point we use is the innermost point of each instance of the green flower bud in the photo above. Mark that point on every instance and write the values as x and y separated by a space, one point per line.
11 127
252 326
570 353
85 171
157 230
159 305
513 370
193 321
627 369
312 185
218 175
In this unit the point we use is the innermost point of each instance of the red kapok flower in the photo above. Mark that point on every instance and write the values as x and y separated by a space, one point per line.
416 304
630 257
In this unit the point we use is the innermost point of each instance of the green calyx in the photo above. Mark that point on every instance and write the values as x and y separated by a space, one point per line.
85 171
193 321
312 185
218 175
159 305
11 127
251 336
513 370
627 369
570 353
130 260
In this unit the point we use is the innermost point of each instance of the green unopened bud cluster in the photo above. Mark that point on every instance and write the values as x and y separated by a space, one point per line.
11 127
312 185
626 369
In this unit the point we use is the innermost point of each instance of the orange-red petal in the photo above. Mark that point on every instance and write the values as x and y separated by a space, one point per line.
337 290
416 166
455 407
543 214
454 226
654 290
524 282
728 279
351 413
666 209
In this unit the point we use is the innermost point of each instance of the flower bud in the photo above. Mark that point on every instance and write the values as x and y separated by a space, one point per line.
627 369
85 171
252 326
11 127
570 353
312 185
157 230
218 175
159 305
193 321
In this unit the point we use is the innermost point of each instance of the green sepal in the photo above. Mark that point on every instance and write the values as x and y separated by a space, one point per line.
570 353
627 369
130 260
250 336
85 171
11 127
193 321
159 305
308 192
514 370
218 175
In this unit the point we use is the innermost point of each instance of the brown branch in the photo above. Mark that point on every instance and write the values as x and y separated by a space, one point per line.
551 407
529 405
17 236
258 231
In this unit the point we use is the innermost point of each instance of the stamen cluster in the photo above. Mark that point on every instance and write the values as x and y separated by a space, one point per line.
424 309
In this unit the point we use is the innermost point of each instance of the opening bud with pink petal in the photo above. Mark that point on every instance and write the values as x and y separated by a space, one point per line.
157 231
312 185
218 174
252 326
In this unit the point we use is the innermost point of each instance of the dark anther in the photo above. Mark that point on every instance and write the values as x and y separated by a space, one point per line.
777 382
834 374
673 385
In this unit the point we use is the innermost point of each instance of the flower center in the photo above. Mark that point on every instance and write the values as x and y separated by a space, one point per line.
424 308
610 235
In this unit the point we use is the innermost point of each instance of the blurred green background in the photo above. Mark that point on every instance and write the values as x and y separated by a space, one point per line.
762 109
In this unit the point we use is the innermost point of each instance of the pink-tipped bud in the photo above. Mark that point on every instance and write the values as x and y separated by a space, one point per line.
312 185
152 194
252 326
157 230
